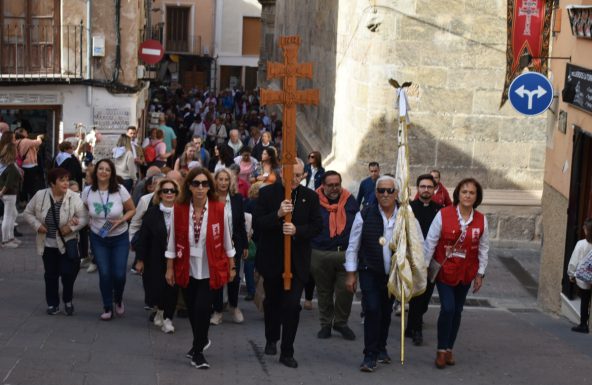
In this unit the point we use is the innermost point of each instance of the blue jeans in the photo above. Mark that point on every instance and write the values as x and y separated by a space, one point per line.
452 300
378 307
111 258
249 269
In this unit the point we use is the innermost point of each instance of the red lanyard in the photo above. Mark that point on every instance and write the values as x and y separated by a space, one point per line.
197 224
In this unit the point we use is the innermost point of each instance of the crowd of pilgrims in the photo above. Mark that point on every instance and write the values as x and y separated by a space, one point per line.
200 167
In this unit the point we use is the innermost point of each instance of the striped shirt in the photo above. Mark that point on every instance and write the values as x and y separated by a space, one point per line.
52 232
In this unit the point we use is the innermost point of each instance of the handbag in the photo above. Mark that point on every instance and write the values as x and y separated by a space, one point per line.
71 246
584 270
435 266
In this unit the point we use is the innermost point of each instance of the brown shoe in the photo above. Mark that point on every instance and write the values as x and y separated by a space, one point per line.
440 359
449 358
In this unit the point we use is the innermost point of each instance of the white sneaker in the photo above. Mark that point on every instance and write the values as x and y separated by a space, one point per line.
167 326
10 244
18 241
216 318
84 262
159 318
91 268
237 315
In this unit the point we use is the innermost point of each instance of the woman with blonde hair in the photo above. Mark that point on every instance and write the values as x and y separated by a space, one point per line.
125 162
10 185
187 159
225 182
150 249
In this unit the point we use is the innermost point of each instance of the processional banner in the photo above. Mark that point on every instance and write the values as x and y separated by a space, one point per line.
529 27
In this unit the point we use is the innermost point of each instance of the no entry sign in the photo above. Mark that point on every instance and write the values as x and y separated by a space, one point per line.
151 51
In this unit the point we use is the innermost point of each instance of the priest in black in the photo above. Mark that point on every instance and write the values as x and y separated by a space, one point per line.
281 307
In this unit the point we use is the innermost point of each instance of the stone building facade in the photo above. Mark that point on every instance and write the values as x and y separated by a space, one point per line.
454 53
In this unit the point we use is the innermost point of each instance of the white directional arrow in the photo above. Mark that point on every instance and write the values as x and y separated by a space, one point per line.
539 92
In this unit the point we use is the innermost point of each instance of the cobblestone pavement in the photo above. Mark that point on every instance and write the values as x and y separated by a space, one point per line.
510 342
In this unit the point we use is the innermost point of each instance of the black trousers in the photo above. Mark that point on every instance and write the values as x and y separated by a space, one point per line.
309 288
198 297
58 266
585 296
418 306
282 312
32 182
233 289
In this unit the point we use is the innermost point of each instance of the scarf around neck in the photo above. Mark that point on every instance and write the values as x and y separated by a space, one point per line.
337 214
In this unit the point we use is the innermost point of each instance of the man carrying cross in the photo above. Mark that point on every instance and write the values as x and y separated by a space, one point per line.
282 307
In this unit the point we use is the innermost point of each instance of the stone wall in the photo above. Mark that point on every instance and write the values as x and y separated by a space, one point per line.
551 272
453 51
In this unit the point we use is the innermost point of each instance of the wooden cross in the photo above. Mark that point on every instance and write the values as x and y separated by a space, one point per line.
290 70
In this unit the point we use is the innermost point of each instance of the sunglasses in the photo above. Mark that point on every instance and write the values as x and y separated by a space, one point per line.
311 156
382 190
197 183
169 191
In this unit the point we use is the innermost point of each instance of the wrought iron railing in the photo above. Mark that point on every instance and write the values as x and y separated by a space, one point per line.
41 52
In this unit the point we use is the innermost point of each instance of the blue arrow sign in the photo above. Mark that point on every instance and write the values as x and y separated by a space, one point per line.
531 93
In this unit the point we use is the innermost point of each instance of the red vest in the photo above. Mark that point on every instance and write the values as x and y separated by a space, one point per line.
459 270
217 259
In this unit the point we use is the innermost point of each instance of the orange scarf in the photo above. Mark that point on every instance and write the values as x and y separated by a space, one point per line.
337 215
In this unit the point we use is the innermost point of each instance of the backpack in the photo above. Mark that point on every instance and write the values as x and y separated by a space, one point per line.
150 153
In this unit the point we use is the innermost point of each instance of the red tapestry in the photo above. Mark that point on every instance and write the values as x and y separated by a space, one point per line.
529 27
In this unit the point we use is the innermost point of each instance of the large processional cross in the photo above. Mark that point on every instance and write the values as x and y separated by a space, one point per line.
289 71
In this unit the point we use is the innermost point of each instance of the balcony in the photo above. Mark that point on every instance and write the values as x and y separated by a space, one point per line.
41 53
177 42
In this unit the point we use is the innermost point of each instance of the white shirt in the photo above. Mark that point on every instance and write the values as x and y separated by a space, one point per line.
311 181
435 231
355 238
198 259
583 247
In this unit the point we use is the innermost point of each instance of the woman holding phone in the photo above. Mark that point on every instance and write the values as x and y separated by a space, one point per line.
110 207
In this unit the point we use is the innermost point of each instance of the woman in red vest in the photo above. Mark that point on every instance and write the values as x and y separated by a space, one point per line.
459 241
200 254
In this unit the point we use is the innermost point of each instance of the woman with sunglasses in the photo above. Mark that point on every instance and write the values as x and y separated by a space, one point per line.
314 170
458 240
233 207
200 254
150 249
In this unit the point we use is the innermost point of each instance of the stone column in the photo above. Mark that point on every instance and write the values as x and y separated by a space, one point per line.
267 39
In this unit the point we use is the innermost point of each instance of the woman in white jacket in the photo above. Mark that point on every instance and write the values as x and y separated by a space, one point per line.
48 206
125 162
581 251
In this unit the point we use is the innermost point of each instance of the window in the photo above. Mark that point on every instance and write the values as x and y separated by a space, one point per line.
29 35
177 29
251 36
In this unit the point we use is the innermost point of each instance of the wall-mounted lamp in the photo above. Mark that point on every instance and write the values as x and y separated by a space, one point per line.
526 59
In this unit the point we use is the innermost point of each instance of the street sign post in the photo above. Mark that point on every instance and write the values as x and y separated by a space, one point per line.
151 51
531 93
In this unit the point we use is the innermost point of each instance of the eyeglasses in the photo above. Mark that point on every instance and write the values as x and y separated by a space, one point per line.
197 183
424 187
311 156
298 176
382 190
169 191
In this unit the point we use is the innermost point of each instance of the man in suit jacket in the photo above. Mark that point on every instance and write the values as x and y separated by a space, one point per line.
281 307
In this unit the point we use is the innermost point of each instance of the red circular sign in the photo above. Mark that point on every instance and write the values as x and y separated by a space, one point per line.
151 51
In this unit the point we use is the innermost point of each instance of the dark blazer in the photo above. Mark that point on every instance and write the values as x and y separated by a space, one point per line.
318 176
150 248
270 246
239 232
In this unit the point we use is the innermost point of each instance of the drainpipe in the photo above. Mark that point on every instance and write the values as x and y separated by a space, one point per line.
89 89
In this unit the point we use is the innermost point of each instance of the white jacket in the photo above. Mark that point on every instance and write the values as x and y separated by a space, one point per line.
583 247
125 165
38 207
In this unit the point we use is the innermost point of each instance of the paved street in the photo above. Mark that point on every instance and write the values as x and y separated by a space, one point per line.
508 343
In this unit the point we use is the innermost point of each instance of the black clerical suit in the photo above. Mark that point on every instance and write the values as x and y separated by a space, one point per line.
282 308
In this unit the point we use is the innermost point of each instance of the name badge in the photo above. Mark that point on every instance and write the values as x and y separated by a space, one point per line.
459 253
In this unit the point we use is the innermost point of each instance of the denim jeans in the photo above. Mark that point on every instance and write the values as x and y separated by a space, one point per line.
378 307
58 265
111 258
452 300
